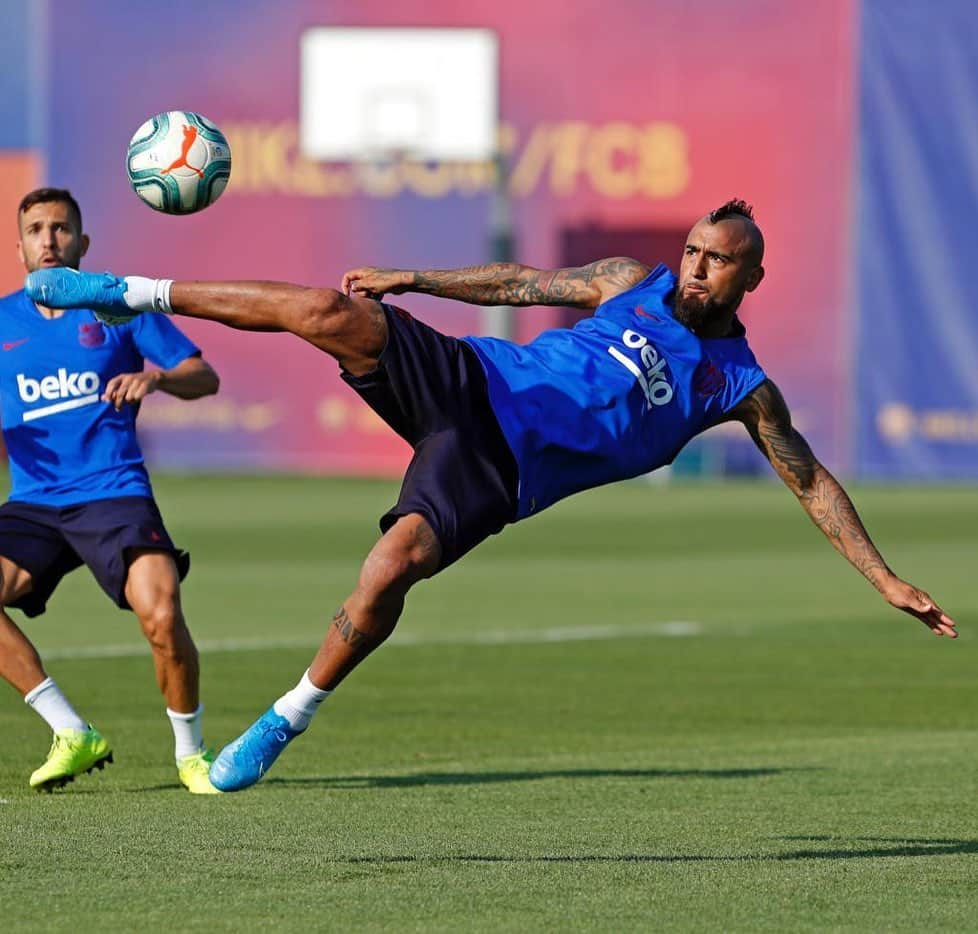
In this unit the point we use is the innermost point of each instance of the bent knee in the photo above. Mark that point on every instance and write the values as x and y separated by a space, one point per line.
162 623
392 571
354 330
389 574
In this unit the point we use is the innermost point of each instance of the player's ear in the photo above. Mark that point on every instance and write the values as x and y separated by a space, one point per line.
754 278
84 244
20 252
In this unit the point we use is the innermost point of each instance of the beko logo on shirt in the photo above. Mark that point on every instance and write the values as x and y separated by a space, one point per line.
72 389
650 374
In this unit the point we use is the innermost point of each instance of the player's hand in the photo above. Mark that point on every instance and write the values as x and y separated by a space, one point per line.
917 603
371 282
131 388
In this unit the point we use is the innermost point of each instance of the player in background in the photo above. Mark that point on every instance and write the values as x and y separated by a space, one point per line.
70 390
500 431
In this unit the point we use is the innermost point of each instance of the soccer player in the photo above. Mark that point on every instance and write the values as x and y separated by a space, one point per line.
500 431
70 389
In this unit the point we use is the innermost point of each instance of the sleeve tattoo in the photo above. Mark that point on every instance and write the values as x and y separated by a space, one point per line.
766 417
513 284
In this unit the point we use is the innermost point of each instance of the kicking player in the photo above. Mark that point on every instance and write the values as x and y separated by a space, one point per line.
70 389
500 431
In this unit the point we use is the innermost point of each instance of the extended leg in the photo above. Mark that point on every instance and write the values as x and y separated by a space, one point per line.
353 330
407 553
77 746
153 592
20 664
350 328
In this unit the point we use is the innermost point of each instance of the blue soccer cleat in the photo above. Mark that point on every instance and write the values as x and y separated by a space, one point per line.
64 287
241 763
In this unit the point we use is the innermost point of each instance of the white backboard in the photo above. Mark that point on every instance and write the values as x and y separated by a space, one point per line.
428 94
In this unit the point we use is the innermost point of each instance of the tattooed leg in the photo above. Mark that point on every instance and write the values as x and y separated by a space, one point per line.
407 553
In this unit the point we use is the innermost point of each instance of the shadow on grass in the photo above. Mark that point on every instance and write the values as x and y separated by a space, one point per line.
423 779
856 848
419 779
884 848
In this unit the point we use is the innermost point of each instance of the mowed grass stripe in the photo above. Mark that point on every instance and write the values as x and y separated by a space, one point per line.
805 763
672 629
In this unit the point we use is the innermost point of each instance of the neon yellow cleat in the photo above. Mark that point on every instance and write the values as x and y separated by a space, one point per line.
72 752
193 771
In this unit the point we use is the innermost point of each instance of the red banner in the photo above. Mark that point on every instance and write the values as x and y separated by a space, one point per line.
627 119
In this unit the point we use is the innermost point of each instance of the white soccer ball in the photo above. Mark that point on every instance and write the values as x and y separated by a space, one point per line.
178 162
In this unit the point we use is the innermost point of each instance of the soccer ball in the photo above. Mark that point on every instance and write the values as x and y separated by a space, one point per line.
178 162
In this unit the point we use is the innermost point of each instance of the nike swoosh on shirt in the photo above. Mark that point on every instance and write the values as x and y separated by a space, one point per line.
9 345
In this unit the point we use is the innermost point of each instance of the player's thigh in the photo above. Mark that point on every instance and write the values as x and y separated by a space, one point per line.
464 483
36 555
108 533
152 583
15 582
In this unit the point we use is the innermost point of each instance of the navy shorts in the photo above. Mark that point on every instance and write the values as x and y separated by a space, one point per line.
51 541
431 389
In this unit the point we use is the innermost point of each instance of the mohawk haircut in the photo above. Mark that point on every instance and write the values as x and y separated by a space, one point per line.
47 195
735 207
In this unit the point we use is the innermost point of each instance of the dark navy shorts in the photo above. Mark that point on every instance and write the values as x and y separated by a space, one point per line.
431 389
50 541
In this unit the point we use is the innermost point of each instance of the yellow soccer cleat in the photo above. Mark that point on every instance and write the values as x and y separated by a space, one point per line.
194 773
72 752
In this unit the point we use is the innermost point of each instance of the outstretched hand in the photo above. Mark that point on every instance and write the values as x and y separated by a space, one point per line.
906 597
130 388
372 282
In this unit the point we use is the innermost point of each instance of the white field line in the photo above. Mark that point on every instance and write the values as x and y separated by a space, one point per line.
489 637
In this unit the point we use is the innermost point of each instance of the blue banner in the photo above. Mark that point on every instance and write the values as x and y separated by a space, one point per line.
20 73
916 359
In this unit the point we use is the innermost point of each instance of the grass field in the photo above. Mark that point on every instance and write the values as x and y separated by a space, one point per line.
651 708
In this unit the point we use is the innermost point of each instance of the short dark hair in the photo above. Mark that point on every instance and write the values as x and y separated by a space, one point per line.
735 207
46 195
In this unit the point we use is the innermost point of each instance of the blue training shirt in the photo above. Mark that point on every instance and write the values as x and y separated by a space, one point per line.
616 396
65 444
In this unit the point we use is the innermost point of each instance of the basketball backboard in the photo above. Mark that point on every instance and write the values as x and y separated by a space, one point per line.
419 93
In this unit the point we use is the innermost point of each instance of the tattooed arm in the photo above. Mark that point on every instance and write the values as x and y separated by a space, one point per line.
766 417
504 283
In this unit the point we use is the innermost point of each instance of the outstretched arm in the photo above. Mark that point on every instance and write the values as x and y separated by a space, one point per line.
766 417
504 283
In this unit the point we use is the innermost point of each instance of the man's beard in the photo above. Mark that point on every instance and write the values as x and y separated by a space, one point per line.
697 311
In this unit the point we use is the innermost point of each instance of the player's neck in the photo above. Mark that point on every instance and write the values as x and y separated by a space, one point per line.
713 330
49 313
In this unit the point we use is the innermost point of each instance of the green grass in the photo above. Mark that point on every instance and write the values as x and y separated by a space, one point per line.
802 758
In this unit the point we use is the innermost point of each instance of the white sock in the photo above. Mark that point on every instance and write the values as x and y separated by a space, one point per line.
48 701
187 731
299 704
144 294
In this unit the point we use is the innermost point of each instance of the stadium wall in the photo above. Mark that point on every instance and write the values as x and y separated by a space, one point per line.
20 158
623 122
917 341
